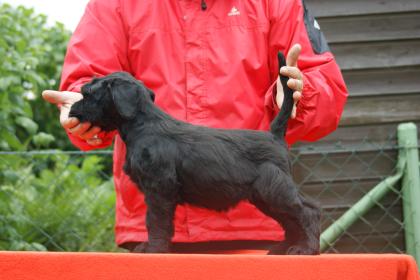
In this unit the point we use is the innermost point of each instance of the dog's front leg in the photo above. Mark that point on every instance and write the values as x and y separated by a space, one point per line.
159 222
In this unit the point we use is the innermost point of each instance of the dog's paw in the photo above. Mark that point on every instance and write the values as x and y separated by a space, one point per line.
147 248
302 250
297 249
140 248
279 249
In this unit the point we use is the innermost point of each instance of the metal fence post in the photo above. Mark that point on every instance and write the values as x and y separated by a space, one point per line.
407 140
359 209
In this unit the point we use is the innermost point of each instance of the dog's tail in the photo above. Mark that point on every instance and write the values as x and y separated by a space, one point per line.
279 124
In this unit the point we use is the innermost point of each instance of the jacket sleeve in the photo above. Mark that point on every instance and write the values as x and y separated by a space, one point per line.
97 47
324 93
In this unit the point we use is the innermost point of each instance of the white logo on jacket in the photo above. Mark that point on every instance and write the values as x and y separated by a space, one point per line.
234 12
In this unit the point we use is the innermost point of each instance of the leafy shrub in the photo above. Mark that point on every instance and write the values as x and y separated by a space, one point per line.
56 202
32 55
52 200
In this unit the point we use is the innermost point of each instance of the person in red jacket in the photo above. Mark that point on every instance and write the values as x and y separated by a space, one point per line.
212 63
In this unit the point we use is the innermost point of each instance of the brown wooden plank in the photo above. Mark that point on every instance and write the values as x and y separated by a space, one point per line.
371 28
343 166
327 8
373 136
339 195
377 54
385 109
383 81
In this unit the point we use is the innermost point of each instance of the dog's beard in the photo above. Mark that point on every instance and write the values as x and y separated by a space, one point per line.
107 122
82 112
77 111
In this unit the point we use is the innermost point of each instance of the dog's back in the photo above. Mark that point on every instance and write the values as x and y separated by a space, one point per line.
217 167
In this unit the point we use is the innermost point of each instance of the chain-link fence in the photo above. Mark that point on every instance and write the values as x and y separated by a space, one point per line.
58 201
64 201
339 177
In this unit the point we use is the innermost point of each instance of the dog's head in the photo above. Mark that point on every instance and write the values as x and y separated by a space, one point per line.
109 100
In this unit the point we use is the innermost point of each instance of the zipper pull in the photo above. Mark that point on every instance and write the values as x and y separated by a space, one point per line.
203 5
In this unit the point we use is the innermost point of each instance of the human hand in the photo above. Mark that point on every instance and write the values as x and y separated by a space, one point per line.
295 81
65 99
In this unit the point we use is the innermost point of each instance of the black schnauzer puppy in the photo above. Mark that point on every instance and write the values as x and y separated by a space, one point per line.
174 162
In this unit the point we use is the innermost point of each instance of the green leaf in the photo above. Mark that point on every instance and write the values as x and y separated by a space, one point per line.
7 81
43 139
35 78
11 176
11 140
29 125
27 109
21 45
4 146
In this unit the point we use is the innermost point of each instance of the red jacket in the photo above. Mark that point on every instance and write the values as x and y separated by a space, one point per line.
214 67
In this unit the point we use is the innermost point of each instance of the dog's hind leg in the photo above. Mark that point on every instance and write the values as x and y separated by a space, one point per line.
293 231
276 195
302 231
311 220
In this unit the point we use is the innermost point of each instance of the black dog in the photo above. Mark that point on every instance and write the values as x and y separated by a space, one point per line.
174 162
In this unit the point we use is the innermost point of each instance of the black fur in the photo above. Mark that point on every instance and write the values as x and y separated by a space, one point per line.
174 162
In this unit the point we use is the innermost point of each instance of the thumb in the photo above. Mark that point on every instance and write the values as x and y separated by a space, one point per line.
61 97
280 93
293 55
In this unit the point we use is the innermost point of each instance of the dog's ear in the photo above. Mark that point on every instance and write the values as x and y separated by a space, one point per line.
126 98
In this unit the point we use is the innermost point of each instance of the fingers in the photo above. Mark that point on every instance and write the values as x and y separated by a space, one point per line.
64 117
86 132
295 81
296 85
66 99
94 141
61 97
52 96
297 95
291 72
91 133
295 77
79 129
293 55
69 123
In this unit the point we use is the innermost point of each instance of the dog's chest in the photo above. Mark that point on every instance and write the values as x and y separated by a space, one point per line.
150 164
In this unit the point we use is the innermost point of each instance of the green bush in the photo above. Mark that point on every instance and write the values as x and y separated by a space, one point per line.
50 201
55 202
32 54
